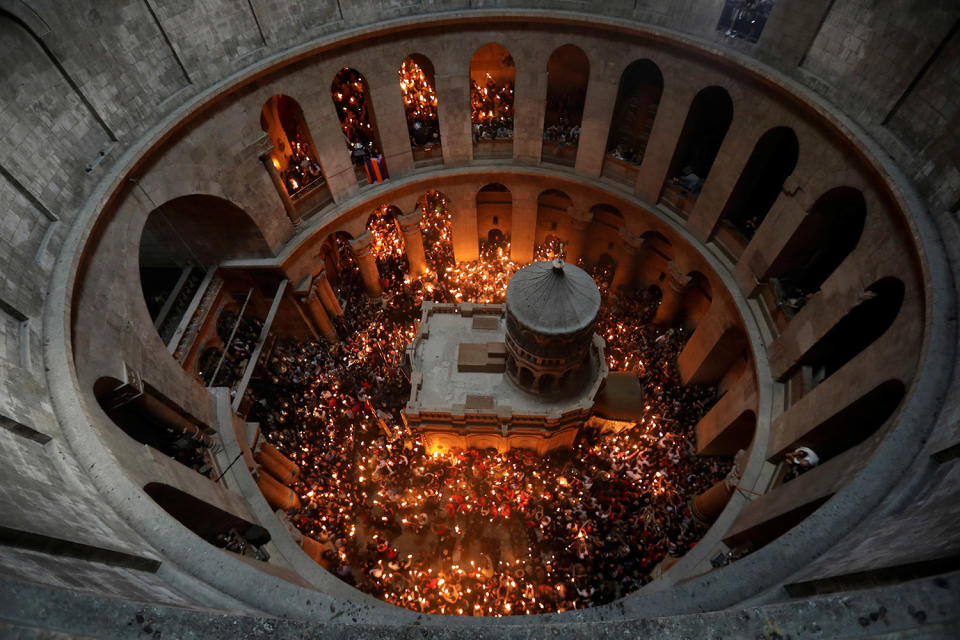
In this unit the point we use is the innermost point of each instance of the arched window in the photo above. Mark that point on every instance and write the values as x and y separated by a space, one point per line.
142 415
604 233
773 159
181 239
553 223
494 216
293 162
492 74
436 225
568 72
388 243
708 119
854 423
417 83
826 236
857 330
744 20
641 85
354 106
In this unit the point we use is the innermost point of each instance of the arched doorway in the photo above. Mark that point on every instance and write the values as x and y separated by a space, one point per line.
638 98
387 245
568 72
708 119
553 224
354 106
417 82
492 73
494 217
436 225
293 162
773 159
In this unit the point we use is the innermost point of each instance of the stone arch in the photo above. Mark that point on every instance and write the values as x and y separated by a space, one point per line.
773 159
638 98
354 106
492 75
568 72
827 235
494 211
418 86
704 130
552 217
294 155
857 330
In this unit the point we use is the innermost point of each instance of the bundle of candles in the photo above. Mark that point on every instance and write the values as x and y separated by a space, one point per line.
492 103
479 532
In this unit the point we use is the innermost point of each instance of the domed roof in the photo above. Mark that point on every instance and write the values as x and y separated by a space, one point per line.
553 297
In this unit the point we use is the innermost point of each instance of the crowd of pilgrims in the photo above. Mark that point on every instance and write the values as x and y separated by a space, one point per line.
491 109
479 532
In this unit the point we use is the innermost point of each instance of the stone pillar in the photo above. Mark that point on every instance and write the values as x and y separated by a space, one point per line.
367 263
523 223
530 97
466 244
597 115
321 118
413 241
667 127
707 506
579 221
453 107
673 291
630 250
319 315
387 100
326 294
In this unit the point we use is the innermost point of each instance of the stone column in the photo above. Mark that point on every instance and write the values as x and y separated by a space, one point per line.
452 75
326 294
523 223
367 263
597 114
413 241
466 245
667 127
530 98
319 315
673 291
387 100
707 506
630 250
579 221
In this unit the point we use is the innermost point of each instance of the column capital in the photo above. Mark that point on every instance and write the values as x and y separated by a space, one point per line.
677 278
360 246
579 219
632 243
410 223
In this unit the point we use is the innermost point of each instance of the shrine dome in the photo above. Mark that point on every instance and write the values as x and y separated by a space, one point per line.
554 298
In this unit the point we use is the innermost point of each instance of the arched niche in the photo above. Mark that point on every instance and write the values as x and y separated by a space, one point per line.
773 159
853 424
856 331
180 240
492 74
417 84
552 217
494 217
603 233
151 420
354 106
568 73
199 516
655 257
826 236
638 98
436 225
704 129
294 156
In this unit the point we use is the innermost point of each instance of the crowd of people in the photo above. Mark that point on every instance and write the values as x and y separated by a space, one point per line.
477 532
491 109
420 104
302 168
